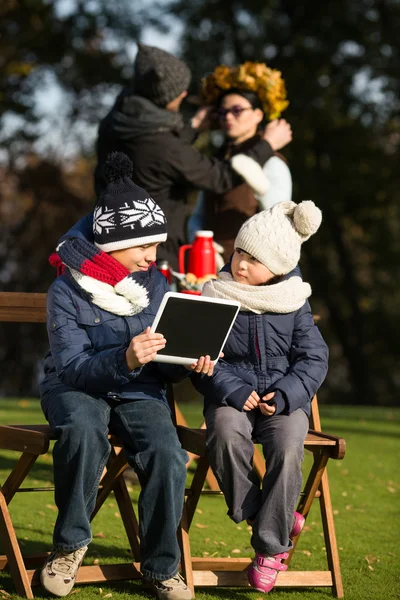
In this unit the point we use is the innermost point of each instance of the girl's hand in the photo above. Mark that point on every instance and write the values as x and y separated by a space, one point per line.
252 401
143 348
204 365
278 133
267 409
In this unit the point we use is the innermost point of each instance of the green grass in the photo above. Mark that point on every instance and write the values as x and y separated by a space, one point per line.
365 491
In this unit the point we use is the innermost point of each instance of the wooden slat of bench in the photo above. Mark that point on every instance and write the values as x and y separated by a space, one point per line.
97 573
239 578
22 307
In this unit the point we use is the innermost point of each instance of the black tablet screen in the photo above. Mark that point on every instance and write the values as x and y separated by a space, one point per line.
194 328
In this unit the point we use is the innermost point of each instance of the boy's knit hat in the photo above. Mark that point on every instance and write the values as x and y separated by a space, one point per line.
125 214
274 236
159 76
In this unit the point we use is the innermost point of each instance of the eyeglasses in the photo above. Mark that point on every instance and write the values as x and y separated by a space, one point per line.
235 110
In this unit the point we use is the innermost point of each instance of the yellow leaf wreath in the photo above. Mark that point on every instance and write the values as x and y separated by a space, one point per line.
253 77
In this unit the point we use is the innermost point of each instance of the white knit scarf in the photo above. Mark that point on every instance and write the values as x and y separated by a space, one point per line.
284 297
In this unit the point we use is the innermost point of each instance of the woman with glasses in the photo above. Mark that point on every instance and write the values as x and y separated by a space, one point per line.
247 100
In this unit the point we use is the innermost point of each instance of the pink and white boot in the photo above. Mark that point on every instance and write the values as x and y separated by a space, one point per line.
263 571
298 524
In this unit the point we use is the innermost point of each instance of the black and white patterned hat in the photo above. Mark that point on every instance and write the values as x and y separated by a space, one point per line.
125 215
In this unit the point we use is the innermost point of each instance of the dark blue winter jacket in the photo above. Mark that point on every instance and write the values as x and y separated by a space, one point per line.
270 352
88 344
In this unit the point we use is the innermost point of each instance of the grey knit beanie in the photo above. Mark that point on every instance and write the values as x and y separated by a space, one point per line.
274 236
159 76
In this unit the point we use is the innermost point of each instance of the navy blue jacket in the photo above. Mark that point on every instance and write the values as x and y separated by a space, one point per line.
270 352
88 344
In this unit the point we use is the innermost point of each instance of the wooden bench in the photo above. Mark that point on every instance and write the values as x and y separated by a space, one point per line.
34 440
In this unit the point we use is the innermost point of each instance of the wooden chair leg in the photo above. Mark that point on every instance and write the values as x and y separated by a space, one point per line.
210 477
330 536
212 481
259 463
113 481
310 489
116 466
186 556
18 474
128 516
195 489
15 561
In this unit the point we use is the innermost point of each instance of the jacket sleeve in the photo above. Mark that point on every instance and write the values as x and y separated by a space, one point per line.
187 165
77 364
309 365
224 388
172 373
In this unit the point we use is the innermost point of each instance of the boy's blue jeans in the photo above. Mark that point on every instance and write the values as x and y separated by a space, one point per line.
80 453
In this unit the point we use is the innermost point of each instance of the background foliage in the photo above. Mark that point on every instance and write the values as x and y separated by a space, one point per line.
340 61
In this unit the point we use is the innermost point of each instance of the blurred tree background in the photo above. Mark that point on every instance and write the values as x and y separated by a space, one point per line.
340 61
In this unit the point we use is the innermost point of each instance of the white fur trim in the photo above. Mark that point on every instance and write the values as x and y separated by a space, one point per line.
251 172
132 243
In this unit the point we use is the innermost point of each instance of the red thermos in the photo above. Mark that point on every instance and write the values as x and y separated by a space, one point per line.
164 267
201 256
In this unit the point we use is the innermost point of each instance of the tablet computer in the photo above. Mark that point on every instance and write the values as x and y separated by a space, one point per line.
193 326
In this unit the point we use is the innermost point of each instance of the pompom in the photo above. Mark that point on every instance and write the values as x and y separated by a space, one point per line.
117 166
307 218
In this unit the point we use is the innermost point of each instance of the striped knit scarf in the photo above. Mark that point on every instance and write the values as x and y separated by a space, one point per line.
106 282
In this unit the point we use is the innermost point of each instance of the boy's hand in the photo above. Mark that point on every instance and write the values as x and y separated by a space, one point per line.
252 401
267 409
143 348
204 365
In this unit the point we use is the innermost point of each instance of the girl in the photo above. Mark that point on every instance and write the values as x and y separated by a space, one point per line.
274 362
242 109
100 378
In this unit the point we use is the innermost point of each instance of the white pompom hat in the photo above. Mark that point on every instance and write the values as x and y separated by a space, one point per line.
274 236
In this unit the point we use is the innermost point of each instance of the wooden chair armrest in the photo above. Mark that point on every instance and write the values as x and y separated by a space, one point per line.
24 440
338 449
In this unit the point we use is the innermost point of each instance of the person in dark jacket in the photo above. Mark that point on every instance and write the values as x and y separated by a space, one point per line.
145 124
274 362
100 378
